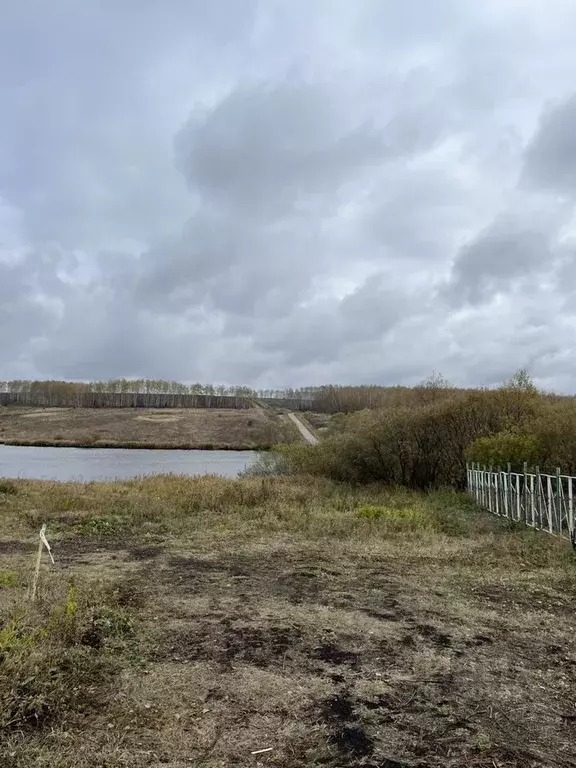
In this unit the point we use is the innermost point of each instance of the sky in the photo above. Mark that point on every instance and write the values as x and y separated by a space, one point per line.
288 192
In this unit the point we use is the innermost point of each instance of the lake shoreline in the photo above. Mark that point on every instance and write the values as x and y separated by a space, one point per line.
70 464
136 445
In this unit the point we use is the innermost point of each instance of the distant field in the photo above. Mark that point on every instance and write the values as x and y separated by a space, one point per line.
145 427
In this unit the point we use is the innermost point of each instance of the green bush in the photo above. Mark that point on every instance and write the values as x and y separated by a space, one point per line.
555 432
547 441
507 447
99 526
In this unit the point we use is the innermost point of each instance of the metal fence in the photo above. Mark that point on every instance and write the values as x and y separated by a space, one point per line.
539 500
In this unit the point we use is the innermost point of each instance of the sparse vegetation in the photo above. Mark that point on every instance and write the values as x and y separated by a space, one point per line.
195 621
58 658
9 579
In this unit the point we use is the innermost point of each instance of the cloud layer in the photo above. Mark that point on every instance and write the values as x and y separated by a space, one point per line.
288 193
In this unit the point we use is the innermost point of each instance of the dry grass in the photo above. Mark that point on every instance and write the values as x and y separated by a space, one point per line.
144 427
340 627
323 423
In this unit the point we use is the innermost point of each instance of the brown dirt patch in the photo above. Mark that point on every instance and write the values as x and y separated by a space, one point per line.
159 417
38 413
15 547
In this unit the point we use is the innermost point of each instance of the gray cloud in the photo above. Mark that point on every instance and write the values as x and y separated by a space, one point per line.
495 260
278 193
550 160
324 332
265 148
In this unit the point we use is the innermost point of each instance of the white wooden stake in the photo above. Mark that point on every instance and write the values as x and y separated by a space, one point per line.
41 544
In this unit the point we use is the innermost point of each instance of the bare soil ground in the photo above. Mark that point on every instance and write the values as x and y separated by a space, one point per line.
176 428
293 616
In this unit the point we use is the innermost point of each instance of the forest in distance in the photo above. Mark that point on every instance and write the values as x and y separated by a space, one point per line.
331 398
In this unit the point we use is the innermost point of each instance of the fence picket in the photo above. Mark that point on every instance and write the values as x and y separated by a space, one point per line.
550 506
526 491
570 508
558 501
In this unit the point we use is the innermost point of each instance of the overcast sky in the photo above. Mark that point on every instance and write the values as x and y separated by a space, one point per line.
288 192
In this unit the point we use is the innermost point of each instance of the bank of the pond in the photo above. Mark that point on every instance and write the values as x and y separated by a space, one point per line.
137 445
68 464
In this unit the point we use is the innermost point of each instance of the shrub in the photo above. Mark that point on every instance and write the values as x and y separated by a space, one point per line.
503 448
421 446
99 526
555 432
547 441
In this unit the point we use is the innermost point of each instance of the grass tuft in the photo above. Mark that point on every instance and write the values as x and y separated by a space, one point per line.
8 488
399 520
9 579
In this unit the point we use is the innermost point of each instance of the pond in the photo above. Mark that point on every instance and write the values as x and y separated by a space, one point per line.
88 464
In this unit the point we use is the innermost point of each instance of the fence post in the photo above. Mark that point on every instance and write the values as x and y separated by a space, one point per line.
550 503
476 485
559 496
518 498
490 484
571 512
538 494
525 493
510 500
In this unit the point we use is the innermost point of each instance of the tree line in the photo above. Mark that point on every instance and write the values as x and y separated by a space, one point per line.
323 399
162 393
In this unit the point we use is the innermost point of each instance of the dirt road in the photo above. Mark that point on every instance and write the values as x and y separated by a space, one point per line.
304 431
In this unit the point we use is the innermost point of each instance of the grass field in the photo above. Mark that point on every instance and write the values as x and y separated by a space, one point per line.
196 622
144 427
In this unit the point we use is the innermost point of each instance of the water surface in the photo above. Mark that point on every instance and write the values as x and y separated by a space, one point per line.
87 464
